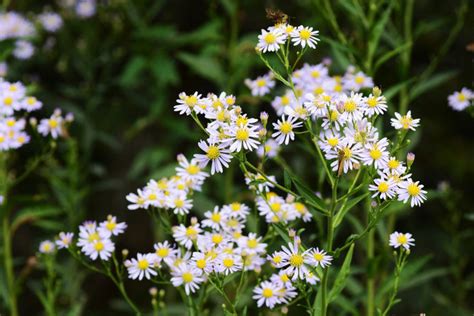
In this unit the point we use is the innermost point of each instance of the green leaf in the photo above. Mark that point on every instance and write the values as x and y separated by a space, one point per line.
34 213
132 71
378 30
350 204
342 276
431 83
206 66
282 232
394 89
390 54
309 196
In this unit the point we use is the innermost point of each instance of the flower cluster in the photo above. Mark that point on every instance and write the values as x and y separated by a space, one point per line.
15 101
294 264
171 193
13 25
229 130
204 250
460 100
274 37
347 136
94 240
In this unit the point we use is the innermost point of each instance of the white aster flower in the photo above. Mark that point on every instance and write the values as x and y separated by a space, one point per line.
47 247
285 129
217 154
64 240
141 267
405 122
413 191
317 257
266 293
305 36
401 240
270 41
460 100
188 275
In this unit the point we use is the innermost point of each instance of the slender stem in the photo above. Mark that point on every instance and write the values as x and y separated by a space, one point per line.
8 261
330 233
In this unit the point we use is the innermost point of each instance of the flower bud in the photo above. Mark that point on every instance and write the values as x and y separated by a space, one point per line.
33 121
194 220
410 159
264 118
284 310
125 253
376 91
291 233
262 133
153 291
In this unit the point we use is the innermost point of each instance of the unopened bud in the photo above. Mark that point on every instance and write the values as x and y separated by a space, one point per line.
284 310
237 110
327 61
290 198
33 121
373 204
162 293
125 253
153 291
194 220
262 133
69 117
292 233
410 159
57 112
376 91
264 118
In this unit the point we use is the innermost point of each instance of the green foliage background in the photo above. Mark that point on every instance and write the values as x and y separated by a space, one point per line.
121 70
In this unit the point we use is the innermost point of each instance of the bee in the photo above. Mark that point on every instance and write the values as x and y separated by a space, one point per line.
277 16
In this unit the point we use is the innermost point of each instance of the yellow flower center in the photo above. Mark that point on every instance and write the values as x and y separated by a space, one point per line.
191 232
216 217
110 225
318 256
31 100
143 264
267 292
413 189
318 90
333 141
305 34
277 259
350 106
296 260
217 238
94 236
99 246
261 83
347 153
241 120
315 74
190 100
252 243
8 101
333 116
461 97
402 239
201 263
393 163
372 102
276 207
269 38
286 127
284 277
193 169
359 79
213 152
383 187
228 262
235 206
162 252
188 277
53 123
178 203
406 122
242 134
285 100
375 154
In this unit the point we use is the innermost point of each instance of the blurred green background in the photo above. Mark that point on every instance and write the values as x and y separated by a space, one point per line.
121 70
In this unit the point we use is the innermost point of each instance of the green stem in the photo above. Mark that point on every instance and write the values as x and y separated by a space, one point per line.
330 232
8 261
